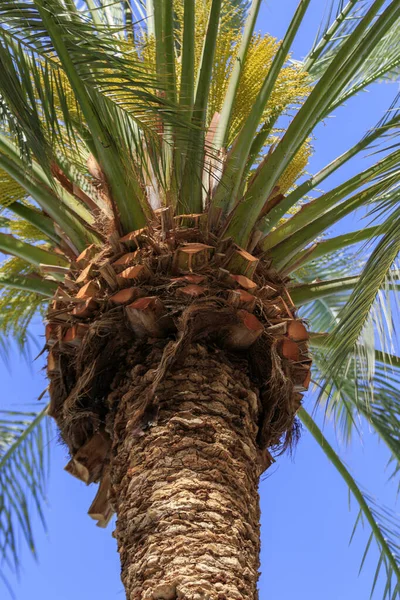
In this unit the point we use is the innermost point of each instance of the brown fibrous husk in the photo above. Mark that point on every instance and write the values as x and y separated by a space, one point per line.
92 375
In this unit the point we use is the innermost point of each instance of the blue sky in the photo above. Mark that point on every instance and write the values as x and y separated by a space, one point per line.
306 523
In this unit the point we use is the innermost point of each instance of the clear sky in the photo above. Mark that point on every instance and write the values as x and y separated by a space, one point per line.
306 522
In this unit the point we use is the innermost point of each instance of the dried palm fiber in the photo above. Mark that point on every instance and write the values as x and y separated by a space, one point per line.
184 288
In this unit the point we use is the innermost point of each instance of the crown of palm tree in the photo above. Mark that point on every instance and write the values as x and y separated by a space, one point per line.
111 113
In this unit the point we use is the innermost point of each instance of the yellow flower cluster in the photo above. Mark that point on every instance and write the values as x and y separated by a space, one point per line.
291 86
295 169
290 89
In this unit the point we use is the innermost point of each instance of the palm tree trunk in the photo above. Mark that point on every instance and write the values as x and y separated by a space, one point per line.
185 486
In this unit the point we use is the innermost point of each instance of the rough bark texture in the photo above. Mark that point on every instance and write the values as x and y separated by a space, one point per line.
185 488
176 360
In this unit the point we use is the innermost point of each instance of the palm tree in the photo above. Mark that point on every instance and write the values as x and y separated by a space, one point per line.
157 210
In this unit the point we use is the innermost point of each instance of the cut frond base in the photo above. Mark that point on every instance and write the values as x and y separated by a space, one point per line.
165 292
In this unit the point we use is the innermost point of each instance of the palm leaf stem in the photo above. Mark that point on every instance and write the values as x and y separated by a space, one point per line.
187 86
34 217
127 197
276 213
352 54
229 100
165 60
31 254
186 92
9 149
327 37
79 235
226 194
150 18
158 15
355 89
207 59
29 284
317 207
128 16
94 200
95 13
308 292
289 248
353 487
168 35
335 243
383 63
260 139
191 197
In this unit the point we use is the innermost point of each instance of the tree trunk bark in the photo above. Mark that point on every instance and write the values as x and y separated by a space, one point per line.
185 488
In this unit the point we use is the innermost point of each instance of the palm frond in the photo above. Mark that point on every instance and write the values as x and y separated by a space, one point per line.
375 275
384 132
384 524
24 438
19 306
365 385
235 167
384 173
113 96
382 64
23 295
230 95
339 22
343 66
61 212
308 292
289 248
31 224
191 189
332 245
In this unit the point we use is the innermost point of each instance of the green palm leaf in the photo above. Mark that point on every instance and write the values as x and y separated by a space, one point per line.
23 471
385 525
376 274
381 65
366 383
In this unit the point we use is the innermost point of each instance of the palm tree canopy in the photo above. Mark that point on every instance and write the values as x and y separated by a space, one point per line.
111 112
